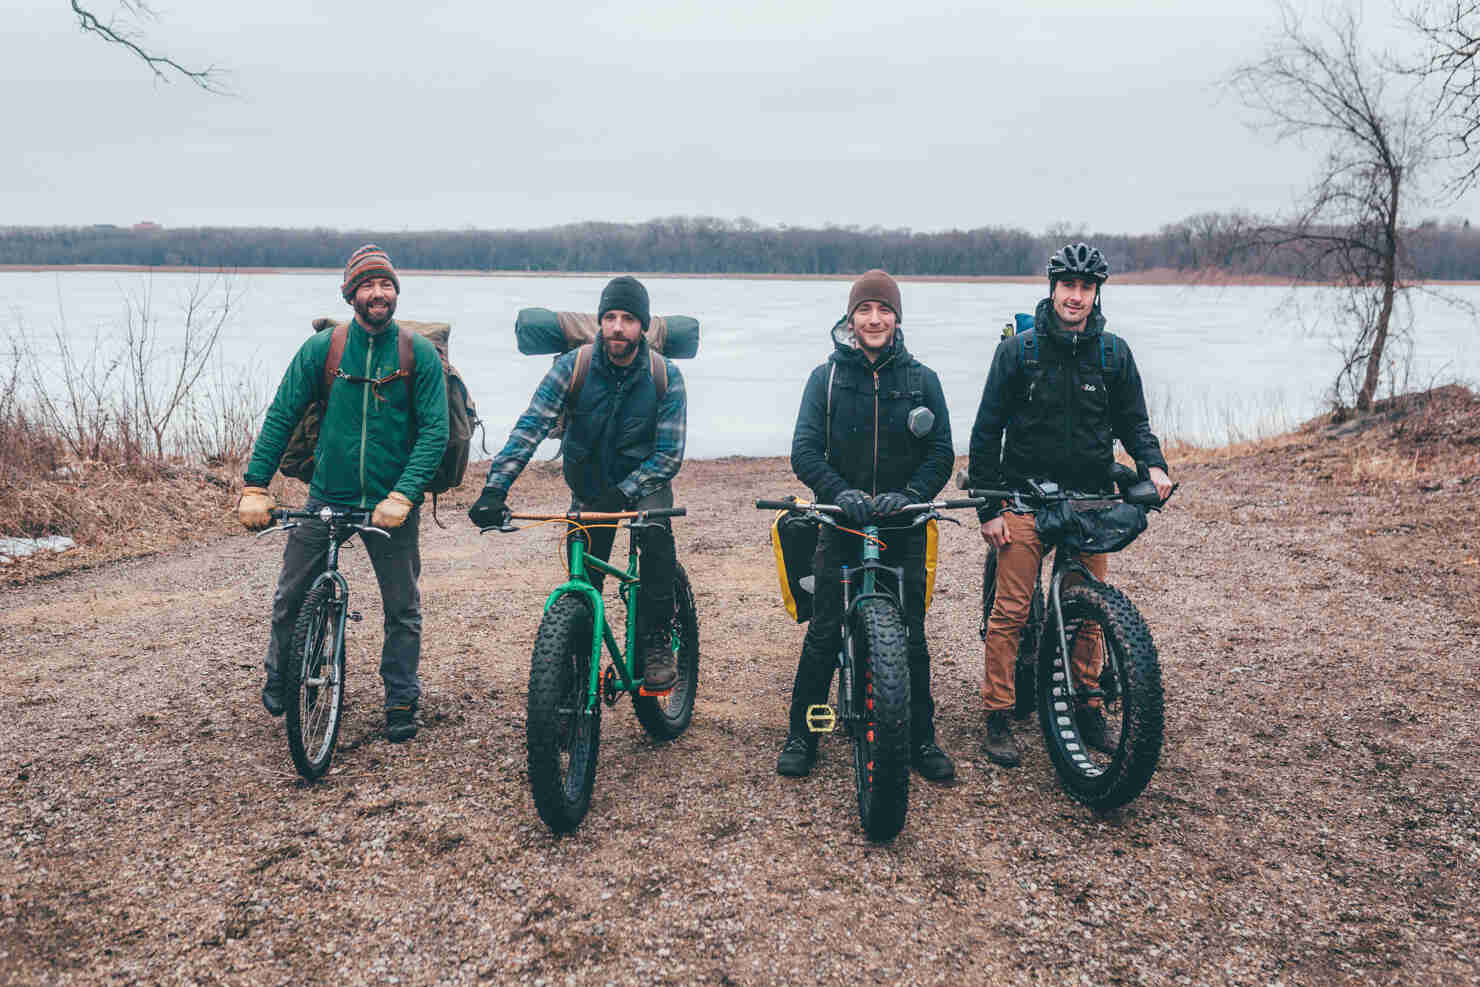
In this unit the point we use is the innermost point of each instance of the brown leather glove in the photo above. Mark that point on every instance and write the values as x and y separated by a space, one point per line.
252 509
391 512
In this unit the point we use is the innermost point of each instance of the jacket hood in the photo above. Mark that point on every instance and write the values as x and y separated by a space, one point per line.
1046 320
846 347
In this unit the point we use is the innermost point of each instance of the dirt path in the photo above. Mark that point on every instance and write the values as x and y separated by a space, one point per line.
1314 818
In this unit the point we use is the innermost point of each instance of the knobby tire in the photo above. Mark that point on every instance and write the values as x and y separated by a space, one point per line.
313 712
1134 704
881 737
563 736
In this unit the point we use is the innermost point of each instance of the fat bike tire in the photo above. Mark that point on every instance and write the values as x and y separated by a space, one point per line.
665 717
881 736
1135 707
1025 668
563 735
314 700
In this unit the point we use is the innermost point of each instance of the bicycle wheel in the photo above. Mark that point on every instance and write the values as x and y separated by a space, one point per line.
1026 666
665 717
1103 781
881 737
315 680
563 734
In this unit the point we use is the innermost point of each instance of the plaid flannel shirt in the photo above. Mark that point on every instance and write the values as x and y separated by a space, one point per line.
549 399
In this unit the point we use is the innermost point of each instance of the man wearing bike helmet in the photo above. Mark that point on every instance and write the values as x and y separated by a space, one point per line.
1063 394
379 445
872 436
624 439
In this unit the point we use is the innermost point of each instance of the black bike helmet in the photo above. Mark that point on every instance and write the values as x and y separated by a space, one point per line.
1078 260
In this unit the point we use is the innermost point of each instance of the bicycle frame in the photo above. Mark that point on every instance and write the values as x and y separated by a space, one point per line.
579 583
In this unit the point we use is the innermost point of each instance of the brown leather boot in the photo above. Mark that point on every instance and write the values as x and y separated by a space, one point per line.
660 666
1000 747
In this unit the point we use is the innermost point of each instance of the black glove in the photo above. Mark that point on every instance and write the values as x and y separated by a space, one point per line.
857 508
489 510
888 504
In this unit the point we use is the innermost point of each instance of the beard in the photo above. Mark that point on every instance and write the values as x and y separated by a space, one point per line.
370 321
619 349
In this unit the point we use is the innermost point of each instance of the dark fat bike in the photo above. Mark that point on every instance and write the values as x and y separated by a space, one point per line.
873 673
566 684
314 676
1129 688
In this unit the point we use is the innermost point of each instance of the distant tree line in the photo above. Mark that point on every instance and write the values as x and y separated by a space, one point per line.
1447 250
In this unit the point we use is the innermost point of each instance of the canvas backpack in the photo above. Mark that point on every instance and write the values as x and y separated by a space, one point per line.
462 414
1027 351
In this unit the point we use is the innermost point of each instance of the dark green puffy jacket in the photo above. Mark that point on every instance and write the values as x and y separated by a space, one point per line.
367 446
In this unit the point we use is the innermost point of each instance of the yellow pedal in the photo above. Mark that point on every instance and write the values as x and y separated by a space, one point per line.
821 718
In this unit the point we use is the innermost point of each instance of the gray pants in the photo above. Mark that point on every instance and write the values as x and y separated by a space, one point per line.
397 563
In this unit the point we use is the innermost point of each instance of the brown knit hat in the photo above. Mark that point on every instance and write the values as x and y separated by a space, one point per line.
367 262
875 286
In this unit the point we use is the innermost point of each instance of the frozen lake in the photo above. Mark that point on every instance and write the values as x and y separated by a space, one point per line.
1217 361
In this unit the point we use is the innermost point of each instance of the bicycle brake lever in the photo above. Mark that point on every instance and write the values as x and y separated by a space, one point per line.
276 528
371 527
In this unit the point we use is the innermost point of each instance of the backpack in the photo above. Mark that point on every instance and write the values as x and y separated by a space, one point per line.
1022 328
462 415
656 367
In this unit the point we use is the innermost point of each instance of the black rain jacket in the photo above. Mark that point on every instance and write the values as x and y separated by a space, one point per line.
1063 416
869 446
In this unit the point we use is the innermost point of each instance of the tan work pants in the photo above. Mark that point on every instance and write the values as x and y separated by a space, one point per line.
1018 564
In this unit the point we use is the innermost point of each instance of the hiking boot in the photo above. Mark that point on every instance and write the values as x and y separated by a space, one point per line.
798 755
1000 747
272 694
1093 730
660 667
400 723
933 763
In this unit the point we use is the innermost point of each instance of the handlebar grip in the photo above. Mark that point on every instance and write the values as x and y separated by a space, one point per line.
666 511
966 502
775 505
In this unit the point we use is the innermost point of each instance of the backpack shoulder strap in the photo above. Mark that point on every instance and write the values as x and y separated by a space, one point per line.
406 361
1109 351
658 367
832 371
1028 348
578 375
339 335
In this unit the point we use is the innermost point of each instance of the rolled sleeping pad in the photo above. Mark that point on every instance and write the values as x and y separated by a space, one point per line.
542 331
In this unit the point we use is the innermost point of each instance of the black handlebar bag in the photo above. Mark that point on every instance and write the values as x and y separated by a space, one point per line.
1092 527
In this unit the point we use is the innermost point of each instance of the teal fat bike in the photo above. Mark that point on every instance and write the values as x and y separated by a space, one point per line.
873 673
567 686
314 673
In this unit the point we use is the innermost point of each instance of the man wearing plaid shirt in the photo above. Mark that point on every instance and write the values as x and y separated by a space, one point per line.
623 447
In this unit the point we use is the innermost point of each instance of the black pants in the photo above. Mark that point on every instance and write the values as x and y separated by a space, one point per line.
825 634
654 566
397 562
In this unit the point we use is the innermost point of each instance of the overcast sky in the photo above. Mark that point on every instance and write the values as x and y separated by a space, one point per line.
390 115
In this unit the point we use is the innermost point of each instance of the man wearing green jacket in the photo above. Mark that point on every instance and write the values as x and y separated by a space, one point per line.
379 445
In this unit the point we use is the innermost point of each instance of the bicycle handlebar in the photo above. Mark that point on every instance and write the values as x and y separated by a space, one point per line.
605 515
934 505
355 519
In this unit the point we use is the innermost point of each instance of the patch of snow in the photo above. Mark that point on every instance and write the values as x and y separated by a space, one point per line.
13 548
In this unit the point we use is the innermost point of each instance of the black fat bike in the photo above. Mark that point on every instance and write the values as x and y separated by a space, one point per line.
314 676
873 671
1129 688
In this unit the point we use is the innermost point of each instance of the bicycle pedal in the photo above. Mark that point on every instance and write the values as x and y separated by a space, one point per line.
643 690
355 616
821 718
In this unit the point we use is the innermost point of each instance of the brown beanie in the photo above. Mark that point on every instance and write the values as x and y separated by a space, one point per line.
367 262
875 286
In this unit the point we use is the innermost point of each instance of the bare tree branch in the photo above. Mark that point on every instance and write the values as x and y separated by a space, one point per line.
163 67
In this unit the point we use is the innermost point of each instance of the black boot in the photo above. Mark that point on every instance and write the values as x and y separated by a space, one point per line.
929 760
272 693
660 666
798 755
1000 747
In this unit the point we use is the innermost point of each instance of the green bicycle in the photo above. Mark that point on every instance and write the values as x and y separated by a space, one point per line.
566 684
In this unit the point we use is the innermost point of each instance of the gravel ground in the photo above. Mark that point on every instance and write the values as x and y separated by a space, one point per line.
1313 820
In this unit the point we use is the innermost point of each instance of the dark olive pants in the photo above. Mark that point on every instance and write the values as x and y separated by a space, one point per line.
397 563
825 634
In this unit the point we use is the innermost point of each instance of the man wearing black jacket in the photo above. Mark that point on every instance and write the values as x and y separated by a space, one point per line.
1063 393
855 446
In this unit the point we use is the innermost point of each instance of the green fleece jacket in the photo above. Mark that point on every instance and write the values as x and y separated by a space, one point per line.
367 447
